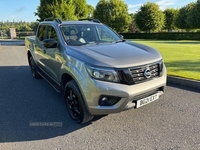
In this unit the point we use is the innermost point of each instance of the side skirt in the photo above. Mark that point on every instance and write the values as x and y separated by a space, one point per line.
54 84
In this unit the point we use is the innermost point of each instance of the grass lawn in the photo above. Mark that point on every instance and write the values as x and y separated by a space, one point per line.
182 58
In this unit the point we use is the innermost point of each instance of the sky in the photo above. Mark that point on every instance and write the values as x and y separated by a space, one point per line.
23 10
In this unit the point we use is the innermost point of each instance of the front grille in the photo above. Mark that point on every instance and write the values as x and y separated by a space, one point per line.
138 74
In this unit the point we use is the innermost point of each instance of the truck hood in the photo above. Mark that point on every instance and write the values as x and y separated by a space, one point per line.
117 55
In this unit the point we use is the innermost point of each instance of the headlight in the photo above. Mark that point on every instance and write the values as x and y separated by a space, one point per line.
103 74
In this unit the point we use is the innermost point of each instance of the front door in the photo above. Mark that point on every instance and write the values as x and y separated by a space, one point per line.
48 58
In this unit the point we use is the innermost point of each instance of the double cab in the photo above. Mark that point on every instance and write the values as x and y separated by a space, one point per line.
95 69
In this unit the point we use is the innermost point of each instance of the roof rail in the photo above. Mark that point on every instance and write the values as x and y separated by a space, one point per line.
53 19
91 19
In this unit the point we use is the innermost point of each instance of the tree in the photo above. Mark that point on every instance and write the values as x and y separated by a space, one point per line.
114 13
81 9
149 17
63 9
132 27
182 17
25 27
101 12
90 10
19 26
170 17
193 17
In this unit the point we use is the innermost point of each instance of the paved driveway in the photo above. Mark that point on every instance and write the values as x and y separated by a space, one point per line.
171 123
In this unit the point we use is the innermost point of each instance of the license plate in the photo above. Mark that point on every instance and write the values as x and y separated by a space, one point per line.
147 100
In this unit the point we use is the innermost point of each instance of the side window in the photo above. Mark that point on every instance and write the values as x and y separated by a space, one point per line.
51 33
41 33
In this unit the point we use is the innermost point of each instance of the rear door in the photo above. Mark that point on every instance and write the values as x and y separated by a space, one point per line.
40 50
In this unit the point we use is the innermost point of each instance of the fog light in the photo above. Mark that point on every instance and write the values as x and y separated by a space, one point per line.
108 100
104 99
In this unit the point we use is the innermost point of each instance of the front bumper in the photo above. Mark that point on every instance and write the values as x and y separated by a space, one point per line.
129 93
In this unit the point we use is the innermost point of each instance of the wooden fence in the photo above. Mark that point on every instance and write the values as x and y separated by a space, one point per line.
23 34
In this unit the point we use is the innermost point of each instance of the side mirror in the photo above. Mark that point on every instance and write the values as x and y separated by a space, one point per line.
121 36
50 43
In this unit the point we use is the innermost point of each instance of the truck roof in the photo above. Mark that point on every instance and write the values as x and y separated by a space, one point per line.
81 21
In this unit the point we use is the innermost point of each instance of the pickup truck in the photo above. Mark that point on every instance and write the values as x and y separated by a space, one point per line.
95 69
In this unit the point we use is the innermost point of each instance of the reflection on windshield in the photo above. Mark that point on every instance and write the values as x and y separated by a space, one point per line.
84 34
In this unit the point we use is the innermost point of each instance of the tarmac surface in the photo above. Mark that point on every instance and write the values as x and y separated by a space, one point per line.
33 116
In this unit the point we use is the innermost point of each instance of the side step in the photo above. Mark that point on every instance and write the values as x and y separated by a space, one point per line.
55 85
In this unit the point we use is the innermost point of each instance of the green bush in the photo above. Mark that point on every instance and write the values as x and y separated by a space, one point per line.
163 36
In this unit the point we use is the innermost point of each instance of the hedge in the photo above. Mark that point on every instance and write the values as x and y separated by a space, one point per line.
164 36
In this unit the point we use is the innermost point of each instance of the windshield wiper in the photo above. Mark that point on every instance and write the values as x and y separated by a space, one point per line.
72 44
118 41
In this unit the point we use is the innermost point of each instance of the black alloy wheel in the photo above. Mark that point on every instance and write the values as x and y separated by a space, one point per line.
75 104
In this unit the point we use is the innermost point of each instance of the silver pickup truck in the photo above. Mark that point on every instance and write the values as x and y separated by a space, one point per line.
95 69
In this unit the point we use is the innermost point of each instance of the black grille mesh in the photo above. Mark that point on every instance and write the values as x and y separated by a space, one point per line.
138 73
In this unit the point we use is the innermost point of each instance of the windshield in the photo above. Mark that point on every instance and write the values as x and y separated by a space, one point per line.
82 34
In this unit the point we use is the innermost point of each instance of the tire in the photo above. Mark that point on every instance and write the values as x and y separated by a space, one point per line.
75 104
34 68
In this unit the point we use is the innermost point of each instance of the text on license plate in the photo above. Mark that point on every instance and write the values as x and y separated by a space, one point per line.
147 100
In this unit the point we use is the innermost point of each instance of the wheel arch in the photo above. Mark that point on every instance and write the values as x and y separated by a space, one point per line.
64 80
29 54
